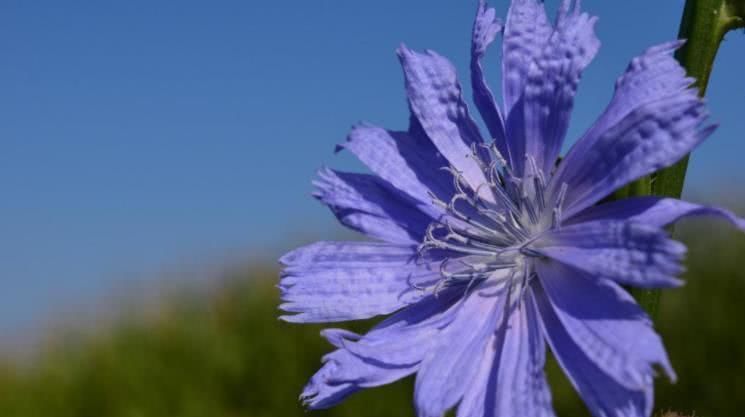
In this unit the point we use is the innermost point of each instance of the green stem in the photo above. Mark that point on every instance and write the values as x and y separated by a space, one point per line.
704 24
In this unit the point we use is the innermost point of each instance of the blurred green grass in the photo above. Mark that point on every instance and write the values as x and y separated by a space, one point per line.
223 353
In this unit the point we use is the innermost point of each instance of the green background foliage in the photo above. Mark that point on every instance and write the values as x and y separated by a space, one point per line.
223 353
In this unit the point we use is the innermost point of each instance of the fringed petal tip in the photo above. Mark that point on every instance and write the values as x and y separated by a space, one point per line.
403 52
423 68
665 48
320 394
354 131
326 185
667 369
291 318
740 224
339 337
390 351
675 282
289 258
485 29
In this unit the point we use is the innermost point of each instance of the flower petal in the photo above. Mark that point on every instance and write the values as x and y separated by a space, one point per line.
407 160
602 341
485 29
511 380
654 211
605 321
318 394
526 31
401 339
654 136
390 351
479 394
338 281
448 368
652 122
650 76
367 204
626 252
551 84
436 100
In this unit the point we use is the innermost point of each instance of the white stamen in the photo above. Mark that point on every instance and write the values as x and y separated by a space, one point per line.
487 241
558 207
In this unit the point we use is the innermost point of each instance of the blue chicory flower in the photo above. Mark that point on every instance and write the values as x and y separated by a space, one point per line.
486 251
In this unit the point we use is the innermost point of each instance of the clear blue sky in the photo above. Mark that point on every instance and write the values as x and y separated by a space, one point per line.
142 136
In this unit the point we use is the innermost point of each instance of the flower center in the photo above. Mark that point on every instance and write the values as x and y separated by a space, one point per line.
485 234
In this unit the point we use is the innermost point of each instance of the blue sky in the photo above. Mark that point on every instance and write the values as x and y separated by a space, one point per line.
146 136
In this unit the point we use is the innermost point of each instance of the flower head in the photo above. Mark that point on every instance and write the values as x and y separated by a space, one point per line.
487 251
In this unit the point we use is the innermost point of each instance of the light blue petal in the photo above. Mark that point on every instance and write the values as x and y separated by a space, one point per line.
606 323
511 380
390 351
435 98
485 30
402 339
626 252
368 205
551 84
582 336
479 394
652 122
526 31
654 211
407 160
448 369
649 77
338 281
